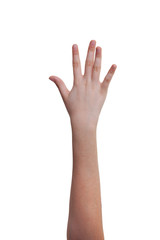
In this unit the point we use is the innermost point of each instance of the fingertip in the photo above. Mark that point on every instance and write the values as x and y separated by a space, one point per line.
92 43
98 51
52 78
75 48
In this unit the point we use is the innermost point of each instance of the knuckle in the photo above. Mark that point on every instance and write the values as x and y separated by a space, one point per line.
91 48
75 64
104 88
107 80
109 75
112 70
89 63
96 68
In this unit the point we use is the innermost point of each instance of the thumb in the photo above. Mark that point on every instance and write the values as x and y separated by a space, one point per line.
61 87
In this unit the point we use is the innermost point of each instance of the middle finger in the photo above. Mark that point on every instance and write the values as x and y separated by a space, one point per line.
90 59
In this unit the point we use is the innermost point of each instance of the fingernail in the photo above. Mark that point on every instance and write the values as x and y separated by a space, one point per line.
74 47
98 50
93 42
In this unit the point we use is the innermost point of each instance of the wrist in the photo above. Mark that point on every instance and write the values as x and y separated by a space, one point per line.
82 125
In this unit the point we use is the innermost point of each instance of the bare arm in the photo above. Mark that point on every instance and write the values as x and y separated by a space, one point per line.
84 103
85 220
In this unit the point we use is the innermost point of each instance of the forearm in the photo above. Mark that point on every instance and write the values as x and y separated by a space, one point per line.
85 215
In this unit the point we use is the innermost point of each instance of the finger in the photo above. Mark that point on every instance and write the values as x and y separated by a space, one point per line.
90 59
61 87
109 76
77 73
97 64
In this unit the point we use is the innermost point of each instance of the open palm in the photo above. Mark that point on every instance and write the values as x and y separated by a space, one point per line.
87 96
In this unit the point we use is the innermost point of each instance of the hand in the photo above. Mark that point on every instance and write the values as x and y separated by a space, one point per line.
87 96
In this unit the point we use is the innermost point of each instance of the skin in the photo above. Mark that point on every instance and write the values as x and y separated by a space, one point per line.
84 103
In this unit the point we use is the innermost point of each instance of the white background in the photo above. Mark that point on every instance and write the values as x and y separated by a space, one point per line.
35 135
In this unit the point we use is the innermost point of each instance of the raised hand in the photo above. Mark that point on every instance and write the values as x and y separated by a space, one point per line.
86 98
